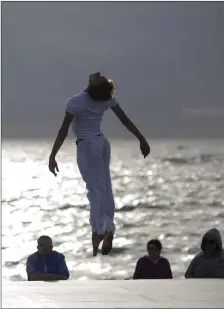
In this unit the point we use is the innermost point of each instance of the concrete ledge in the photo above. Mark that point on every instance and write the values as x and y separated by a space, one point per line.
114 294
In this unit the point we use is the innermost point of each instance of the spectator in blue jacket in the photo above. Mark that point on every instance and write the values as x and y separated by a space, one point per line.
46 264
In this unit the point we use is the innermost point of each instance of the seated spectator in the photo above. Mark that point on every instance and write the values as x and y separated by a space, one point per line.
209 262
153 266
46 264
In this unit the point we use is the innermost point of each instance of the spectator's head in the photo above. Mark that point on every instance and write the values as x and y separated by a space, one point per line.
211 242
44 245
154 248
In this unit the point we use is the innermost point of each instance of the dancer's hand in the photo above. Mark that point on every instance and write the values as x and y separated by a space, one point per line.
145 148
52 165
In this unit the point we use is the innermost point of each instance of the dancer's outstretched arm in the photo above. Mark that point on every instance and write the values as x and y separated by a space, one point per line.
144 146
62 134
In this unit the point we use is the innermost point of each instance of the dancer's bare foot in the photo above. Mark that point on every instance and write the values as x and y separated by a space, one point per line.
107 243
96 240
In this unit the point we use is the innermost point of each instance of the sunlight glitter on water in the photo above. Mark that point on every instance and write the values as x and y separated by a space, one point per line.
173 195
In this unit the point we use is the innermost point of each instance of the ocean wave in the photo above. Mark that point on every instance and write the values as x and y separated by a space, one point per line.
200 159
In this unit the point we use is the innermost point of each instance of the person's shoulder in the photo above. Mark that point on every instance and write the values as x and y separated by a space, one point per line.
81 94
142 259
113 101
163 259
58 255
198 257
76 98
32 256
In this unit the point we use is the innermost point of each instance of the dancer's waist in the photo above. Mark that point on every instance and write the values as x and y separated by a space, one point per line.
81 139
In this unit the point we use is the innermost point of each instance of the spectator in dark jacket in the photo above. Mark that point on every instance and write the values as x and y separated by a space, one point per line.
46 264
153 266
209 262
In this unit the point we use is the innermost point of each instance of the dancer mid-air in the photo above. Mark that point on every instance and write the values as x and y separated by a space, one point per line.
85 112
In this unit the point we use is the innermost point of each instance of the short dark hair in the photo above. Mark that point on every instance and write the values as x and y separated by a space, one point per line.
43 237
156 243
102 92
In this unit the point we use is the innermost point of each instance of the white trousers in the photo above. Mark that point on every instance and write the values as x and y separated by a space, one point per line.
93 159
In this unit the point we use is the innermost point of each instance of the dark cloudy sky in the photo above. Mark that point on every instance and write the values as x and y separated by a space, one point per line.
167 59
